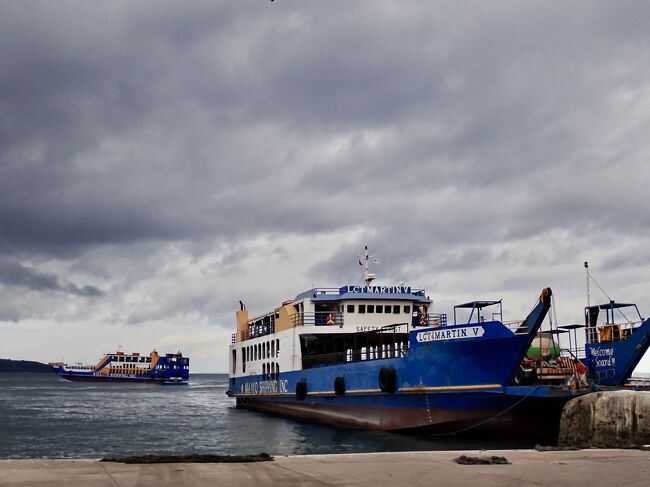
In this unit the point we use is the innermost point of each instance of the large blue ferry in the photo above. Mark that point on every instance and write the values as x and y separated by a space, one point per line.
376 356
171 368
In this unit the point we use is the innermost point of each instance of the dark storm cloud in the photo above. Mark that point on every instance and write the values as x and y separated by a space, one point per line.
437 129
13 273
129 123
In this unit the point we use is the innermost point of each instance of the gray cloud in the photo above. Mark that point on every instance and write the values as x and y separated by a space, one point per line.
13 273
149 144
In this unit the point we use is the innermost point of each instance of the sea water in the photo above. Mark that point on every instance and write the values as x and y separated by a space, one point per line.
44 416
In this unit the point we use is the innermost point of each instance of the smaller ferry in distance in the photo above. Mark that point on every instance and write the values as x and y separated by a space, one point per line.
171 368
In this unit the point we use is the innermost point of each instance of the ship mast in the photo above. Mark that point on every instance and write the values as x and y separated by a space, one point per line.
364 258
587 275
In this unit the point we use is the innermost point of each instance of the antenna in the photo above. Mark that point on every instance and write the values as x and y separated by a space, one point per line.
368 277
587 275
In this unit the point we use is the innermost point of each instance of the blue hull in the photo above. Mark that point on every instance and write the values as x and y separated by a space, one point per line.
116 378
613 362
514 412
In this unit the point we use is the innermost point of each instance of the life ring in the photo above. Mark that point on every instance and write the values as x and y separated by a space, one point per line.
339 385
301 390
423 319
387 379
329 320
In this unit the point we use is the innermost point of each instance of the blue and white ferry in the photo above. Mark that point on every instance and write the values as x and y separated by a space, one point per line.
170 368
376 356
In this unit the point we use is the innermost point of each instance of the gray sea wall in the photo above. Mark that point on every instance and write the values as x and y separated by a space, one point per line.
613 419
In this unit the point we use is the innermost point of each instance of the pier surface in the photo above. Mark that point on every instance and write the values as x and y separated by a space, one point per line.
528 467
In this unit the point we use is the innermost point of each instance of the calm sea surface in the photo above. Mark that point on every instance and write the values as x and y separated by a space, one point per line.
43 416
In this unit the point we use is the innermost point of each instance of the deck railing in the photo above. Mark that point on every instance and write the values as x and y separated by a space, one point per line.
318 318
429 319
378 352
612 332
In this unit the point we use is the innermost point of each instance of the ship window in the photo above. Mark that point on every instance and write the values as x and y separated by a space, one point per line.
350 308
379 308
272 348
407 309
268 349
263 371
277 347
254 352
234 361
120 359
396 309
277 371
362 308
371 308
148 360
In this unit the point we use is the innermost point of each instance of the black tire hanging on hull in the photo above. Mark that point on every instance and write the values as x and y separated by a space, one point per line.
301 390
387 379
339 385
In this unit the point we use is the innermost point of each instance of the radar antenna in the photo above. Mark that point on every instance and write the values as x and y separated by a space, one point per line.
364 259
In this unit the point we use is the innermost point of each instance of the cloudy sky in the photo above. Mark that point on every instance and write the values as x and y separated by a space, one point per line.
161 160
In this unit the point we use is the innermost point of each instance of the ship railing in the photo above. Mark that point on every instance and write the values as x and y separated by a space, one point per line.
574 353
429 319
377 352
612 332
318 318
517 327
326 290
254 331
640 382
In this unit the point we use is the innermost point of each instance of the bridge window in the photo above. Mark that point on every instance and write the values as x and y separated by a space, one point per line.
362 309
396 309
350 308
407 309
371 308
379 308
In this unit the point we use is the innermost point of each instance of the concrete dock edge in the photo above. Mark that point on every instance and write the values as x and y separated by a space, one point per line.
630 467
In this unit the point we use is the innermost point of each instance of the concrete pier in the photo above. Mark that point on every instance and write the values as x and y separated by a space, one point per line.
528 467
615 419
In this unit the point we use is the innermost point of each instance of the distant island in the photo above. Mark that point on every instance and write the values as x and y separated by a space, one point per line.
7 365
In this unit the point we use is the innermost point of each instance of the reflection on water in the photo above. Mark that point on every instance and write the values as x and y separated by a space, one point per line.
45 416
